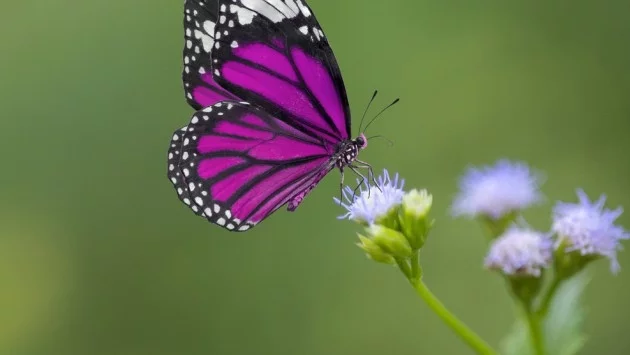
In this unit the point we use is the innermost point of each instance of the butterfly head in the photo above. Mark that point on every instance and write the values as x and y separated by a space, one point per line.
361 142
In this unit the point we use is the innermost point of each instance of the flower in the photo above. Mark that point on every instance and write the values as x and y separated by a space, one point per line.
413 217
495 191
372 202
417 203
390 241
520 251
589 228
374 251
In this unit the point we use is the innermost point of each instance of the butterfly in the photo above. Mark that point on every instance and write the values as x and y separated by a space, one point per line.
272 116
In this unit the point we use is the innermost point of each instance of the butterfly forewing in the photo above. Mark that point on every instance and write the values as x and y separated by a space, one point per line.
274 54
239 164
200 17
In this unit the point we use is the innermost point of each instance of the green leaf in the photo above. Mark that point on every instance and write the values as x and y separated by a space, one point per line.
563 325
517 342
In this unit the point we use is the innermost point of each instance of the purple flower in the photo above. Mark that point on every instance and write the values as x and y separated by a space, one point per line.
520 251
372 202
495 191
589 228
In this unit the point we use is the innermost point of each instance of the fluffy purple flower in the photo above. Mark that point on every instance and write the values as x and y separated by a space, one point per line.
495 191
374 201
520 251
589 228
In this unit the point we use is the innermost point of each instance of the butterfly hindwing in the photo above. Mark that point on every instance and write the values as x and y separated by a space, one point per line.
274 54
200 17
238 164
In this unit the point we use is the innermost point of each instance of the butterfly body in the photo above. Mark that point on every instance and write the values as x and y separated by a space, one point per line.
345 155
272 117
348 151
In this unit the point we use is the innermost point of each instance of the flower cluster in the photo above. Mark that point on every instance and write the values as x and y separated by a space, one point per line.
520 251
495 191
501 192
396 221
588 228
372 201
496 194
397 225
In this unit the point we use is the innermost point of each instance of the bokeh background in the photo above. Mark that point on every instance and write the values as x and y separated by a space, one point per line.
98 256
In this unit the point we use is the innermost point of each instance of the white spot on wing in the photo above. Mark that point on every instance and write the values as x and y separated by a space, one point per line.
264 8
245 16
205 34
305 11
274 10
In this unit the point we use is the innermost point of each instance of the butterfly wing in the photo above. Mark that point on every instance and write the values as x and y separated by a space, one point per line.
200 17
274 54
237 164
175 174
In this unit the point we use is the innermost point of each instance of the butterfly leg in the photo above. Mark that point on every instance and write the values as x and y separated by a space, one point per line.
341 186
371 175
363 180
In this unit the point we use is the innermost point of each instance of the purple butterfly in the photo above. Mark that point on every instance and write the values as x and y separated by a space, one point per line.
273 115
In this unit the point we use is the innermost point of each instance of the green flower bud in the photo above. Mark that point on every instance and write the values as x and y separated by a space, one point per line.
390 218
391 241
569 263
413 218
374 251
417 203
497 226
525 288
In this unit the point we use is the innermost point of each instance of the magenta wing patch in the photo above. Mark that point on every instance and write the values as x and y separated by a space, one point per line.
200 17
237 164
274 54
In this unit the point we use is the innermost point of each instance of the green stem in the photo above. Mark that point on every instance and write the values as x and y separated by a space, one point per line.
415 266
535 331
403 265
543 308
465 333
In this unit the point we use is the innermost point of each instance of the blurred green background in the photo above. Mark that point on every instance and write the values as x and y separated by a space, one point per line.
98 256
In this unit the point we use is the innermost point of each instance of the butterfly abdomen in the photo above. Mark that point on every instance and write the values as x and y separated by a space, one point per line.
297 199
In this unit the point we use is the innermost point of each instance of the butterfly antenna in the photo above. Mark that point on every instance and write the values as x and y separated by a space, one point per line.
367 108
377 116
389 141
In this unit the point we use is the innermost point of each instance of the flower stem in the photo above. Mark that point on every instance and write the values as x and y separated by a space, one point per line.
543 308
403 265
535 332
415 266
467 335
